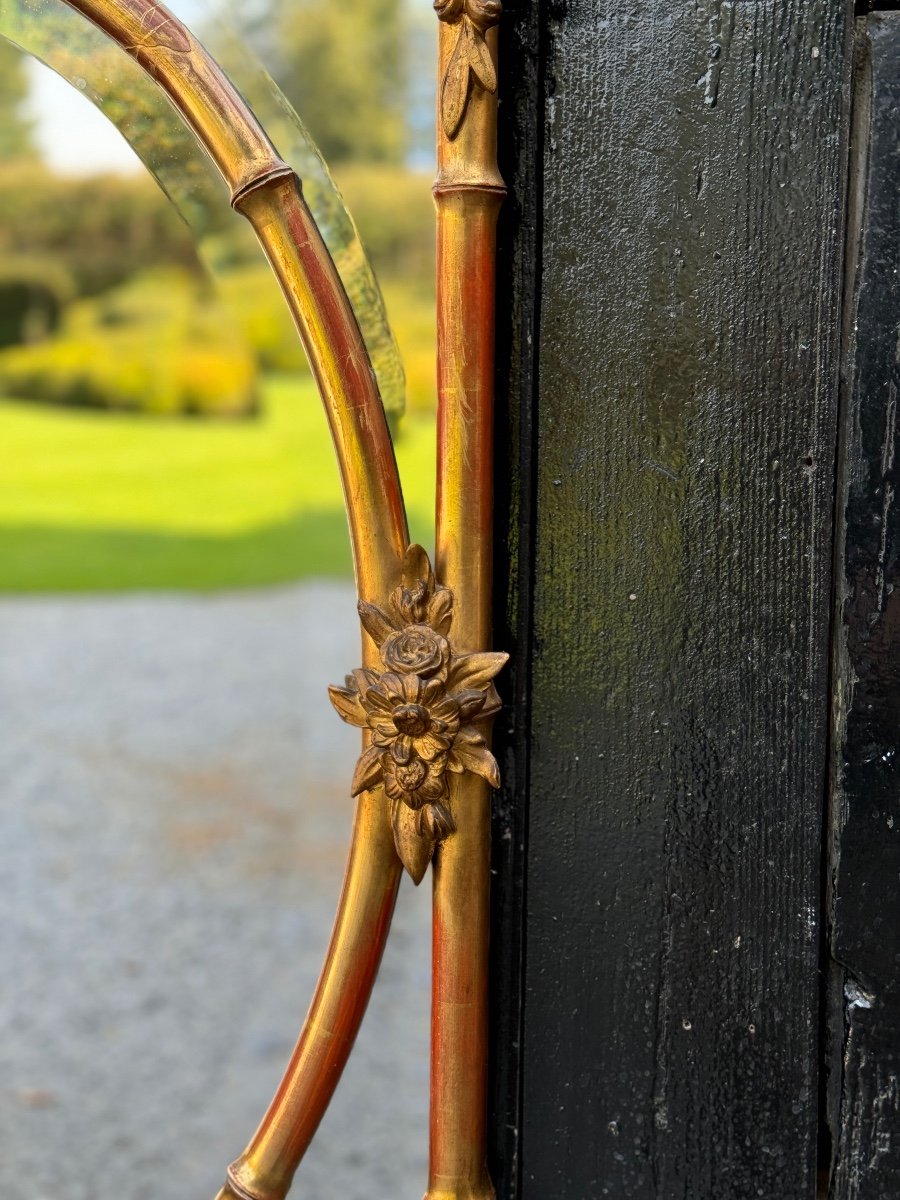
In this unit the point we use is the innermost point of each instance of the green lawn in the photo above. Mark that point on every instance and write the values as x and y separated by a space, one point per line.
98 502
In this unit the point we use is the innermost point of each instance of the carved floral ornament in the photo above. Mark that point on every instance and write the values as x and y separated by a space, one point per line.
419 710
471 59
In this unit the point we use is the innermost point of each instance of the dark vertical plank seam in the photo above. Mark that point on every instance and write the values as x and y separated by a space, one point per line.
864 1014
520 256
832 974
528 538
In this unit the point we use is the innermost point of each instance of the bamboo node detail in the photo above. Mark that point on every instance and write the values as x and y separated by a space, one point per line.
419 711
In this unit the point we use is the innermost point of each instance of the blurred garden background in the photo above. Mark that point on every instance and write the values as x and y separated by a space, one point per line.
176 593
158 424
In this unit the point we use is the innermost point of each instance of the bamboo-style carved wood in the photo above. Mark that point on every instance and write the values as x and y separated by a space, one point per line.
468 193
267 192
424 702
471 60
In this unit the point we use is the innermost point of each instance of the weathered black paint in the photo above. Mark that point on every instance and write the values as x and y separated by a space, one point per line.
865 886
519 253
666 460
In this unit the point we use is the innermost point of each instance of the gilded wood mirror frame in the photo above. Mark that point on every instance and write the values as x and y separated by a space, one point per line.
423 695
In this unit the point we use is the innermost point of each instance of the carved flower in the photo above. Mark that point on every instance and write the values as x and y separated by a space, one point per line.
413 780
418 709
411 715
416 650
449 10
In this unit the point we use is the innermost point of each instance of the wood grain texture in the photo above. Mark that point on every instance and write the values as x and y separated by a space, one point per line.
865 887
669 589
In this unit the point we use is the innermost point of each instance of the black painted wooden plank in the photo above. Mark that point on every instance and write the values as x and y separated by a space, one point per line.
865 934
520 153
685 422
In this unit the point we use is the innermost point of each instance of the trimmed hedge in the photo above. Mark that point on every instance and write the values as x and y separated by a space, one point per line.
133 377
254 298
155 346
100 230
394 212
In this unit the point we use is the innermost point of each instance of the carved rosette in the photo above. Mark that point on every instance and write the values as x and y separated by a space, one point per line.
471 62
419 711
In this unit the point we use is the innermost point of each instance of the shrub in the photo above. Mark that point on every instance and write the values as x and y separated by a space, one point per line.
262 315
101 230
395 215
101 373
33 292
411 311
154 346
394 211
254 298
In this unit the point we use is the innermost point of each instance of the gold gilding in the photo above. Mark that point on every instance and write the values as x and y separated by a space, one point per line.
468 192
268 193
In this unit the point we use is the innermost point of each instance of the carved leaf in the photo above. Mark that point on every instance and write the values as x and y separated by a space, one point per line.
481 63
470 58
368 771
470 753
434 821
414 849
348 705
492 703
440 610
475 670
417 568
362 679
457 81
376 622
470 702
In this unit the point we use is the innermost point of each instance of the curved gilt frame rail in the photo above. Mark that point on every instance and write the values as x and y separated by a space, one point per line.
424 695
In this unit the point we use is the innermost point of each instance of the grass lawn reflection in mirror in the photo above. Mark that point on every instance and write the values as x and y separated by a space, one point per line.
91 501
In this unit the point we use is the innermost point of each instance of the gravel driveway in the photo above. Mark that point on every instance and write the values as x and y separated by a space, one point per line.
172 835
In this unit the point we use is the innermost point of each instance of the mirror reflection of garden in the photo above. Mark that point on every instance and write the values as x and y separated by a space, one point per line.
94 502
159 424
175 594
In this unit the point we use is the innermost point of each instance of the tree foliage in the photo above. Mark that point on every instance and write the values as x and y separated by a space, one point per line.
343 66
15 129
144 116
